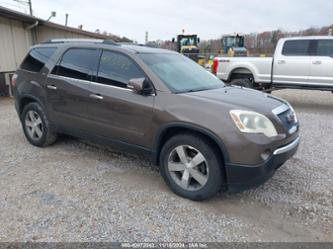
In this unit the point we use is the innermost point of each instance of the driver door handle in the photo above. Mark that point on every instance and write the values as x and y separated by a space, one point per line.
96 96
51 87
316 62
281 62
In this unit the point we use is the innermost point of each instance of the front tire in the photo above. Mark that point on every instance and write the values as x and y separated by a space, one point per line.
191 167
36 126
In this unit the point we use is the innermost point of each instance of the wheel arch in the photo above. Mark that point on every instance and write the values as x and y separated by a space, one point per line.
169 130
241 71
26 99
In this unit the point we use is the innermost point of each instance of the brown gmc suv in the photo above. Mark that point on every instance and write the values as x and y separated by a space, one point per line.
204 136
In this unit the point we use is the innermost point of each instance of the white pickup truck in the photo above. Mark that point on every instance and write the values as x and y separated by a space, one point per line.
298 62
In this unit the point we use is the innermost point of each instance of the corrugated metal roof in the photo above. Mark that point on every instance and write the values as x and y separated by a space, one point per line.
12 14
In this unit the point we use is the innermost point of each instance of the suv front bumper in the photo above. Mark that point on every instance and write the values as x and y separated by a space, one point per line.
242 177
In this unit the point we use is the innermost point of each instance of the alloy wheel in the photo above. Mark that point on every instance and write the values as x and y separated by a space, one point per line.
188 167
34 125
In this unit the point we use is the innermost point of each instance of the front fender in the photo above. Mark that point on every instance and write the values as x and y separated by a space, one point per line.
191 127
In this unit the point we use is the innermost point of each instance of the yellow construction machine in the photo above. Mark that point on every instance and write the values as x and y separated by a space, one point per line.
234 46
187 44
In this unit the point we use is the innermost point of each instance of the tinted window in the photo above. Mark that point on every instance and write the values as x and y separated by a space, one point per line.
117 69
325 48
37 58
179 73
78 63
296 48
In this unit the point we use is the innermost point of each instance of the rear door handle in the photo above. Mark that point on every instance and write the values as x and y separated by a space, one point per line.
96 96
281 62
52 87
316 62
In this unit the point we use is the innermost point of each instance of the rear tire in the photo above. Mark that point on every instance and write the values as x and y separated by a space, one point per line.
36 126
242 82
191 167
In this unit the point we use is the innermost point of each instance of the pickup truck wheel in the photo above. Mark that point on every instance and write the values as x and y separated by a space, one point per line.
242 82
191 167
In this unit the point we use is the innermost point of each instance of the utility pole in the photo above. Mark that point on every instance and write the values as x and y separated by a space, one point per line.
146 38
30 7
66 22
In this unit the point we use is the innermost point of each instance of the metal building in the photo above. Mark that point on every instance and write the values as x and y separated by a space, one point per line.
18 32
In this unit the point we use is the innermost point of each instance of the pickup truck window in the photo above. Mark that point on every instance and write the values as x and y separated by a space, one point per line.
325 48
296 48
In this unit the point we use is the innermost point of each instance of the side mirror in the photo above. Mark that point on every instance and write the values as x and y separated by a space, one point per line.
140 86
173 40
198 40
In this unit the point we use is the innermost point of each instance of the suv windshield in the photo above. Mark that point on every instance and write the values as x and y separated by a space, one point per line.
181 74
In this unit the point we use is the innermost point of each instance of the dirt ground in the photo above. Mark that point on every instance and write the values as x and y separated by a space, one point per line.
77 191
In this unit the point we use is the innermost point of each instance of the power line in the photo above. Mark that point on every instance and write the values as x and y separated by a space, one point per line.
13 5
28 2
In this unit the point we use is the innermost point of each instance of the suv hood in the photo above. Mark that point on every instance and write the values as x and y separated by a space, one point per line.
240 98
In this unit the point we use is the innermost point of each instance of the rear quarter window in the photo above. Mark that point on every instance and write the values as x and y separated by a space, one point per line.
296 48
37 58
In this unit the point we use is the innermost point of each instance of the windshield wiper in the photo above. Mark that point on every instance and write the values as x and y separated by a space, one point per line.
194 90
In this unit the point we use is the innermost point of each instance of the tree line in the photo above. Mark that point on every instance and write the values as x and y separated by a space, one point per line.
265 42
257 43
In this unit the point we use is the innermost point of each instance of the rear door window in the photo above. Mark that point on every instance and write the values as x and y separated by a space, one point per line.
37 58
325 48
78 63
296 48
117 69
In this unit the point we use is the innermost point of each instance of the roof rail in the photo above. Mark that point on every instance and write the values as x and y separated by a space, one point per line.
132 44
110 42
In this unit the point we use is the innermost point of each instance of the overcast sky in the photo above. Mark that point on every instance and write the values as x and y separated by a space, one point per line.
163 19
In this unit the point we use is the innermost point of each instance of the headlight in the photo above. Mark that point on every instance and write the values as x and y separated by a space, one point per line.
253 122
293 113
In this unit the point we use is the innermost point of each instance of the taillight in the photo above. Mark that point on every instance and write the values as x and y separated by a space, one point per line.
215 65
13 81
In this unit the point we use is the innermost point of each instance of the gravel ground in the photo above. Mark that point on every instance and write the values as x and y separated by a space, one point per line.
75 191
